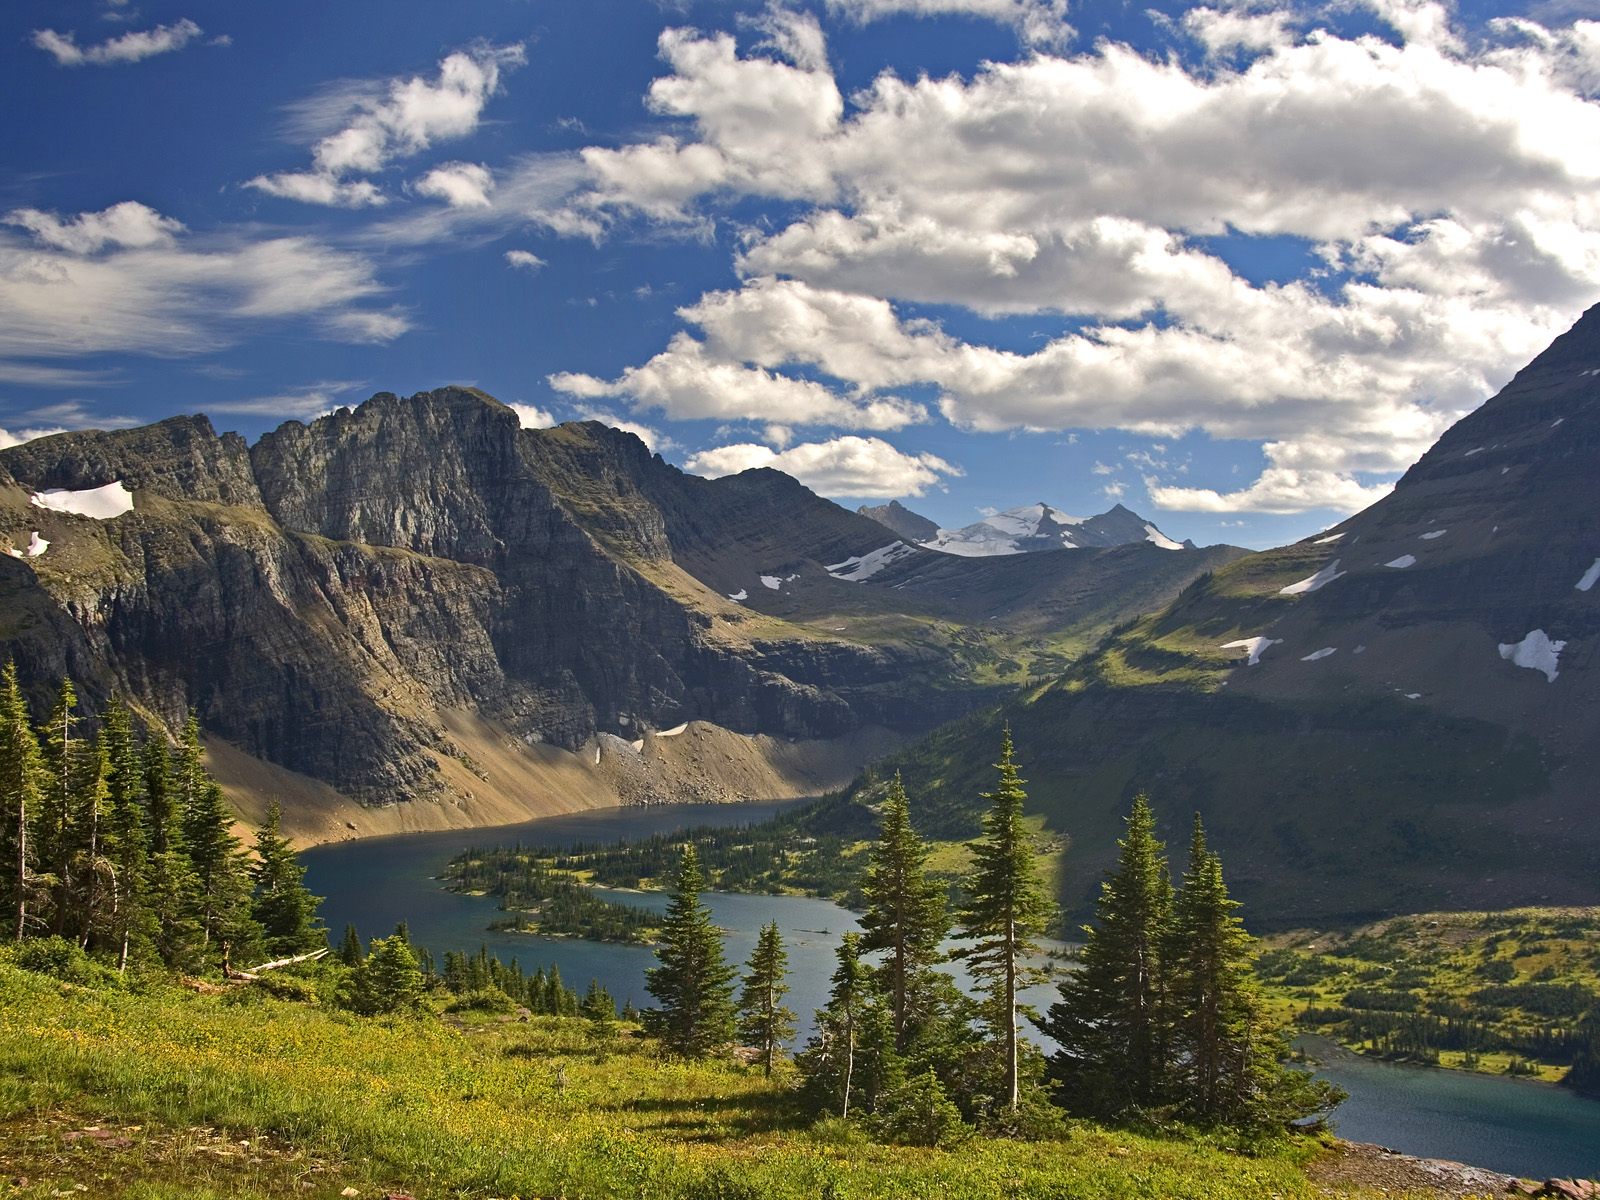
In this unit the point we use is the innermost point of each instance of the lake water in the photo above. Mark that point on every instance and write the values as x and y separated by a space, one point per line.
1515 1126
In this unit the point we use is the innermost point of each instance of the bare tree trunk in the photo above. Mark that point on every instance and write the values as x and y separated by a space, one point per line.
1012 1088
22 866
849 1058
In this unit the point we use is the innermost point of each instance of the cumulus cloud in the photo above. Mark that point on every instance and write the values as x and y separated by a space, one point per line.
130 280
524 260
865 467
396 119
131 47
458 184
532 416
1449 190
1038 22
1278 490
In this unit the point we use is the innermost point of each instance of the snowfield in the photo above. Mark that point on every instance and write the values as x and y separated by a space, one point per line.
1152 534
1590 577
1312 582
1315 655
1257 646
101 503
1536 652
1401 563
865 566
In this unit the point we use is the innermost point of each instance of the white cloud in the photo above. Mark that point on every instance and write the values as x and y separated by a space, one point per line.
865 467
1114 490
1451 190
524 259
1278 490
9 439
532 417
458 184
393 120
302 403
1038 22
129 48
126 224
129 280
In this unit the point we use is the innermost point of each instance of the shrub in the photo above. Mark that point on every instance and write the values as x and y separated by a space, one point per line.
918 1113
485 1000
66 961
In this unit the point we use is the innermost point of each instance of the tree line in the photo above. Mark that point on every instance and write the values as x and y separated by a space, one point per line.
123 845
1161 1020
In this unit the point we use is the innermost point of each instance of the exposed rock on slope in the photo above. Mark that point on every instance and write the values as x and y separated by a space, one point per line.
1420 727
901 521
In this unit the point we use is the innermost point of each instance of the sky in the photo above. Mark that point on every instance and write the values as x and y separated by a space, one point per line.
1235 266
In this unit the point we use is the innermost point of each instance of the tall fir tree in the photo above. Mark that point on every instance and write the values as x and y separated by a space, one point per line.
171 888
828 1062
222 879
693 984
1109 1020
285 910
1006 911
22 782
57 849
120 841
764 1022
905 913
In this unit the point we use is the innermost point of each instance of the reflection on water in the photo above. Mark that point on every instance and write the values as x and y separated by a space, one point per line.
1507 1125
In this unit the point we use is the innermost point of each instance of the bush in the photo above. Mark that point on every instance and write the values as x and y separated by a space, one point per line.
484 1000
918 1113
288 987
66 961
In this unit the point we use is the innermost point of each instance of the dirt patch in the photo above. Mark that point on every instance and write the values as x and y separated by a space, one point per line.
1351 1165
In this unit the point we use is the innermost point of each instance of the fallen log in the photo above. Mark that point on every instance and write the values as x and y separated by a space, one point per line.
258 971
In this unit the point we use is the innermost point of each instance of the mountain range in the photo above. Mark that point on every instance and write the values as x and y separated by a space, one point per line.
417 613
1029 528
1401 713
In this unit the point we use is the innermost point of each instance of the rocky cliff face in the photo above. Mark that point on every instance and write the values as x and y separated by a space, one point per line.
325 598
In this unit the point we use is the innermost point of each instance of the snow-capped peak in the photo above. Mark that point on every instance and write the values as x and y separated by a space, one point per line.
1041 526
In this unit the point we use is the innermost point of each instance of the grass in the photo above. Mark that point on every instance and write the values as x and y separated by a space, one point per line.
176 1082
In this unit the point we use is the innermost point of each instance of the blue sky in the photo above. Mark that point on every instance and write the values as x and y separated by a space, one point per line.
1235 266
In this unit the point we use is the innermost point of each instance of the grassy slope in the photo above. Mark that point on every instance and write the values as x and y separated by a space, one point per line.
529 1109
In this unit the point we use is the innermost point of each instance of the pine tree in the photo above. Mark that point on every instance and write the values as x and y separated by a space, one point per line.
599 1007
1108 1022
59 857
764 1021
21 783
350 952
285 910
222 878
829 1059
387 981
132 918
1005 912
905 910
171 890
693 984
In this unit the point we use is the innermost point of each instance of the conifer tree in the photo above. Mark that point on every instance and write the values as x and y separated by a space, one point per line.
285 910
21 783
56 852
387 981
1108 1022
351 953
599 1007
1005 912
693 984
170 888
829 1059
763 1020
131 920
905 910
222 891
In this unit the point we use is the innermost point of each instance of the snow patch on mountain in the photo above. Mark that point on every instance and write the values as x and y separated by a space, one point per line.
1590 577
101 503
771 581
865 566
740 596
1536 652
1435 533
1315 655
1257 646
1034 527
1332 537
1401 563
1312 582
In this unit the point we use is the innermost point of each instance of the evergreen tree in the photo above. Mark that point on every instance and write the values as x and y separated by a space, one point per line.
692 984
905 910
22 781
58 855
599 1007
387 981
850 1061
1108 1022
222 877
1227 1060
1005 912
171 890
285 910
350 952
764 1021
132 919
